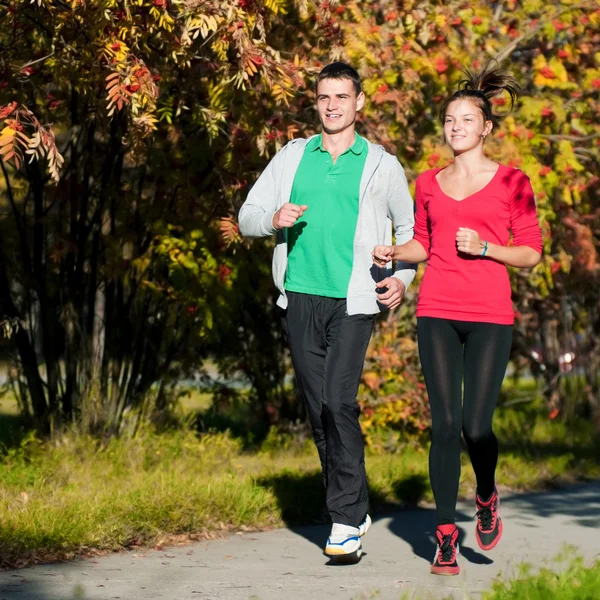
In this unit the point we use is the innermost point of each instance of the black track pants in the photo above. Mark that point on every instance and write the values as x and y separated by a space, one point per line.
328 351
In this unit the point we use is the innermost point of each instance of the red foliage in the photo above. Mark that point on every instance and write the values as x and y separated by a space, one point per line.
441 64
7 110
547 72
224 273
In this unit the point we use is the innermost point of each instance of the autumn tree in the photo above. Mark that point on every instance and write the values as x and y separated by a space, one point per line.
128 130
145 122
411 55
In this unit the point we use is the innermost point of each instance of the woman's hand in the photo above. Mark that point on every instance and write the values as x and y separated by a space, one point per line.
469 242
382 255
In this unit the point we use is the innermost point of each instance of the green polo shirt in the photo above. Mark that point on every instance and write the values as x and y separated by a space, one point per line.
321 242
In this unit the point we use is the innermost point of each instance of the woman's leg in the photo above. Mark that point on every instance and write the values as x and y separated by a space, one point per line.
441 354
487 349
486 354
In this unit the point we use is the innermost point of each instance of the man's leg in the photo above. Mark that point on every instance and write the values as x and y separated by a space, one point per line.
305 330
347 341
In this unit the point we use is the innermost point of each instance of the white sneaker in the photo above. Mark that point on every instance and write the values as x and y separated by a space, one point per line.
364 526
343 541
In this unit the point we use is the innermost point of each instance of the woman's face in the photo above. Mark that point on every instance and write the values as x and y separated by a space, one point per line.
465 126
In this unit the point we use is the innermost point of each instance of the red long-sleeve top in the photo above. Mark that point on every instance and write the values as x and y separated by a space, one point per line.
459 286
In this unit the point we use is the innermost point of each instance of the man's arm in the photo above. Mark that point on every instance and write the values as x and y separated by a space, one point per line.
256 215
401 210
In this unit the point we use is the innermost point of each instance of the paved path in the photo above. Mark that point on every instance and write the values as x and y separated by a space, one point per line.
289 564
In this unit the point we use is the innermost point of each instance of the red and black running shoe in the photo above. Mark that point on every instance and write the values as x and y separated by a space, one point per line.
489 524
445 561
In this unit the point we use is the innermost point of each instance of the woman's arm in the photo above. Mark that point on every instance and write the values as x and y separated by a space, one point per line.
469 242
411 252
514 256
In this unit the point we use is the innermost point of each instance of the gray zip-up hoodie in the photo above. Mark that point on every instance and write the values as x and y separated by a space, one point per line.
384 197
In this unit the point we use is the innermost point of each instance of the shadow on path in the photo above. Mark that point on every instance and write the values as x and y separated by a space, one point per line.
417 527
17 586
580 502
301 499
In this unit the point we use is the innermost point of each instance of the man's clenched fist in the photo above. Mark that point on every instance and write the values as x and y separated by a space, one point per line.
287 215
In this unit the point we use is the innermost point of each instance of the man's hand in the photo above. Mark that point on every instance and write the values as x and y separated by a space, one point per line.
394 294
382 255
287 215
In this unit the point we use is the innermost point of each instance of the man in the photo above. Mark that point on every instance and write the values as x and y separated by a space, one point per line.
329 199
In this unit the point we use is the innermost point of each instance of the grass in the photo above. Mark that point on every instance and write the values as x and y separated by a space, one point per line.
76 495
195 401
568 579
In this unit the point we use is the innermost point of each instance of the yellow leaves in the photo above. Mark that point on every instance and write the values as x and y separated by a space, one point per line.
551 73
114 51
218 96
201 25
531 6
277 6
441 21
281 94
13 142
8 146
220 48
163 18
591 80
565 260
535 110
212 121
410 23
566 196
566 160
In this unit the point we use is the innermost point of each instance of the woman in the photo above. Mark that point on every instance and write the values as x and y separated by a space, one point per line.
465 213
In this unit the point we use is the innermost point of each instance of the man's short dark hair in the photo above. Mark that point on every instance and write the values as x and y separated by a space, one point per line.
340 70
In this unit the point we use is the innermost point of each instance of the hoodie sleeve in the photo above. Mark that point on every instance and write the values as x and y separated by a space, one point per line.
256 215
401 211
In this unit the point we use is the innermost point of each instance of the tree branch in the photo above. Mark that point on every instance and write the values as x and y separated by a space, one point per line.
508 50
33 62
571 138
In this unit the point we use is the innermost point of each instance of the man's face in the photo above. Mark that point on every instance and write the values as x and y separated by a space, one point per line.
337 104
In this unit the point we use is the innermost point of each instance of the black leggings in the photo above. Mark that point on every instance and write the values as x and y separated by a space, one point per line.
451 351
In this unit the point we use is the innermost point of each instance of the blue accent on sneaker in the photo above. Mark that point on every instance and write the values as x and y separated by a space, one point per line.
350 539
